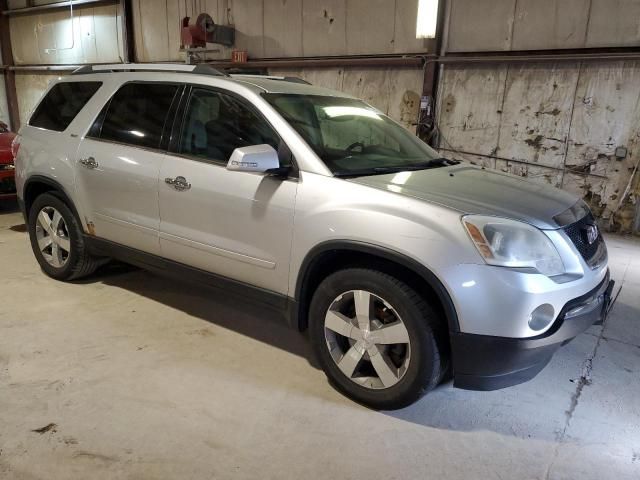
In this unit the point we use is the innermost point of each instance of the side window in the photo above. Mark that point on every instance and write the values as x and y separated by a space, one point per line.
216 124
62 103
137 114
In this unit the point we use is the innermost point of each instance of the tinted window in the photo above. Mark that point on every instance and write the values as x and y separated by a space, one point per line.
62 103
216 124
137 114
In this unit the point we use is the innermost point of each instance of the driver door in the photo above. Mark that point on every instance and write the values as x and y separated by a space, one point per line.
235 224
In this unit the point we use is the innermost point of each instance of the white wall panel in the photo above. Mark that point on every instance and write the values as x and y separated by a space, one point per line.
283 28
497 25
92 35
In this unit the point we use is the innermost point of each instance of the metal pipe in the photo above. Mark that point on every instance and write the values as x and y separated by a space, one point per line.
414 61
535 58
407 61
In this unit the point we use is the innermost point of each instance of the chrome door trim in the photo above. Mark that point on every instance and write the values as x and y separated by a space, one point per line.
259 262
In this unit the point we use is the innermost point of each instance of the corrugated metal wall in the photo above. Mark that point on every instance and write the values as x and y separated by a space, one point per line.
297 28
266 28
553 123
283 28
501 25
91 35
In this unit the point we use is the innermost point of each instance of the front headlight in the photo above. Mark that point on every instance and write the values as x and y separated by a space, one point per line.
509 243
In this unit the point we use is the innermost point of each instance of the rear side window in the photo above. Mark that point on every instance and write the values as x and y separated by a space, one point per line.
137 114
62 103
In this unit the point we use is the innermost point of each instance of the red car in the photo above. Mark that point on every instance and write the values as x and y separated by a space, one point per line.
7 170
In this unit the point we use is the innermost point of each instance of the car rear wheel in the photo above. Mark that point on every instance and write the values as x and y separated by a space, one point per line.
57 241
378 341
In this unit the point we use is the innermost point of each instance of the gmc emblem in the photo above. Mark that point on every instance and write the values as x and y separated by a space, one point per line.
592 233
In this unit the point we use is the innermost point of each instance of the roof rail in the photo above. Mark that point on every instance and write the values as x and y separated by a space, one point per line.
272 77
201 69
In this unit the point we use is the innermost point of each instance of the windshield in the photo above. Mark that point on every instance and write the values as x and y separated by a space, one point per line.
351 137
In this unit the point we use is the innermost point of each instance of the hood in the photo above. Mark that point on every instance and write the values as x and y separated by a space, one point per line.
470 189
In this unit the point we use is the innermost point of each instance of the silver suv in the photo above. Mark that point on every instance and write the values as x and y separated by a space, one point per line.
405 267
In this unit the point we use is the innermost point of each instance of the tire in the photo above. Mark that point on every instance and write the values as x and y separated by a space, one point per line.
77 262
391 302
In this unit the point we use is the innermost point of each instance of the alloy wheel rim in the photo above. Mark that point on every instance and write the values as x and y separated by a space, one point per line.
367 339
52 236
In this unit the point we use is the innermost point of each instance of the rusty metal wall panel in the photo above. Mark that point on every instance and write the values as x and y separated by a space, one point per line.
536 113
614 23
371 85
481 25
607 116
324 26
94 35
556 124
405 87
550 24
469 108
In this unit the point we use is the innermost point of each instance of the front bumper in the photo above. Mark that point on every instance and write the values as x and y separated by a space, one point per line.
482 362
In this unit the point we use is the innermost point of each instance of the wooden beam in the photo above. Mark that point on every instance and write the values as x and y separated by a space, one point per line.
9 75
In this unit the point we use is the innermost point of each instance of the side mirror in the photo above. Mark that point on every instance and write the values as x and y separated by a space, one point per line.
255 159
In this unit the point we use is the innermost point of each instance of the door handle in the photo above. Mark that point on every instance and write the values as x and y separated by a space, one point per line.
179 183
89 163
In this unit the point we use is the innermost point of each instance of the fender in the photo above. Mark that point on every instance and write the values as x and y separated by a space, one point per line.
60 191
390 255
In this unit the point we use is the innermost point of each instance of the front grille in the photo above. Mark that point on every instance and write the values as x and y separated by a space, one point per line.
578 233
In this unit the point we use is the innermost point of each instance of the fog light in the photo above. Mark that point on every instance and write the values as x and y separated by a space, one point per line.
541 317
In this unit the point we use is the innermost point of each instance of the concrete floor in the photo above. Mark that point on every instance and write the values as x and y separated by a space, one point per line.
141 377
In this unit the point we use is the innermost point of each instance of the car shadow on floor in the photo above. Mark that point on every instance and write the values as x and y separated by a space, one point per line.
9 205
209 304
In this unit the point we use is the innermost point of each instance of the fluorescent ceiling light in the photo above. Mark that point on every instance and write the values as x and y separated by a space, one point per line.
427 19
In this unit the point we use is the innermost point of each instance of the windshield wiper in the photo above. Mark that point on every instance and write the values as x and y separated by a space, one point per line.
434 163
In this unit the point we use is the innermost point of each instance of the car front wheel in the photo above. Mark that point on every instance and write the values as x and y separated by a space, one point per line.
378 341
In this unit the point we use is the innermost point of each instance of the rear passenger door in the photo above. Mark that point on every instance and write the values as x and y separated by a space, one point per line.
118 164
